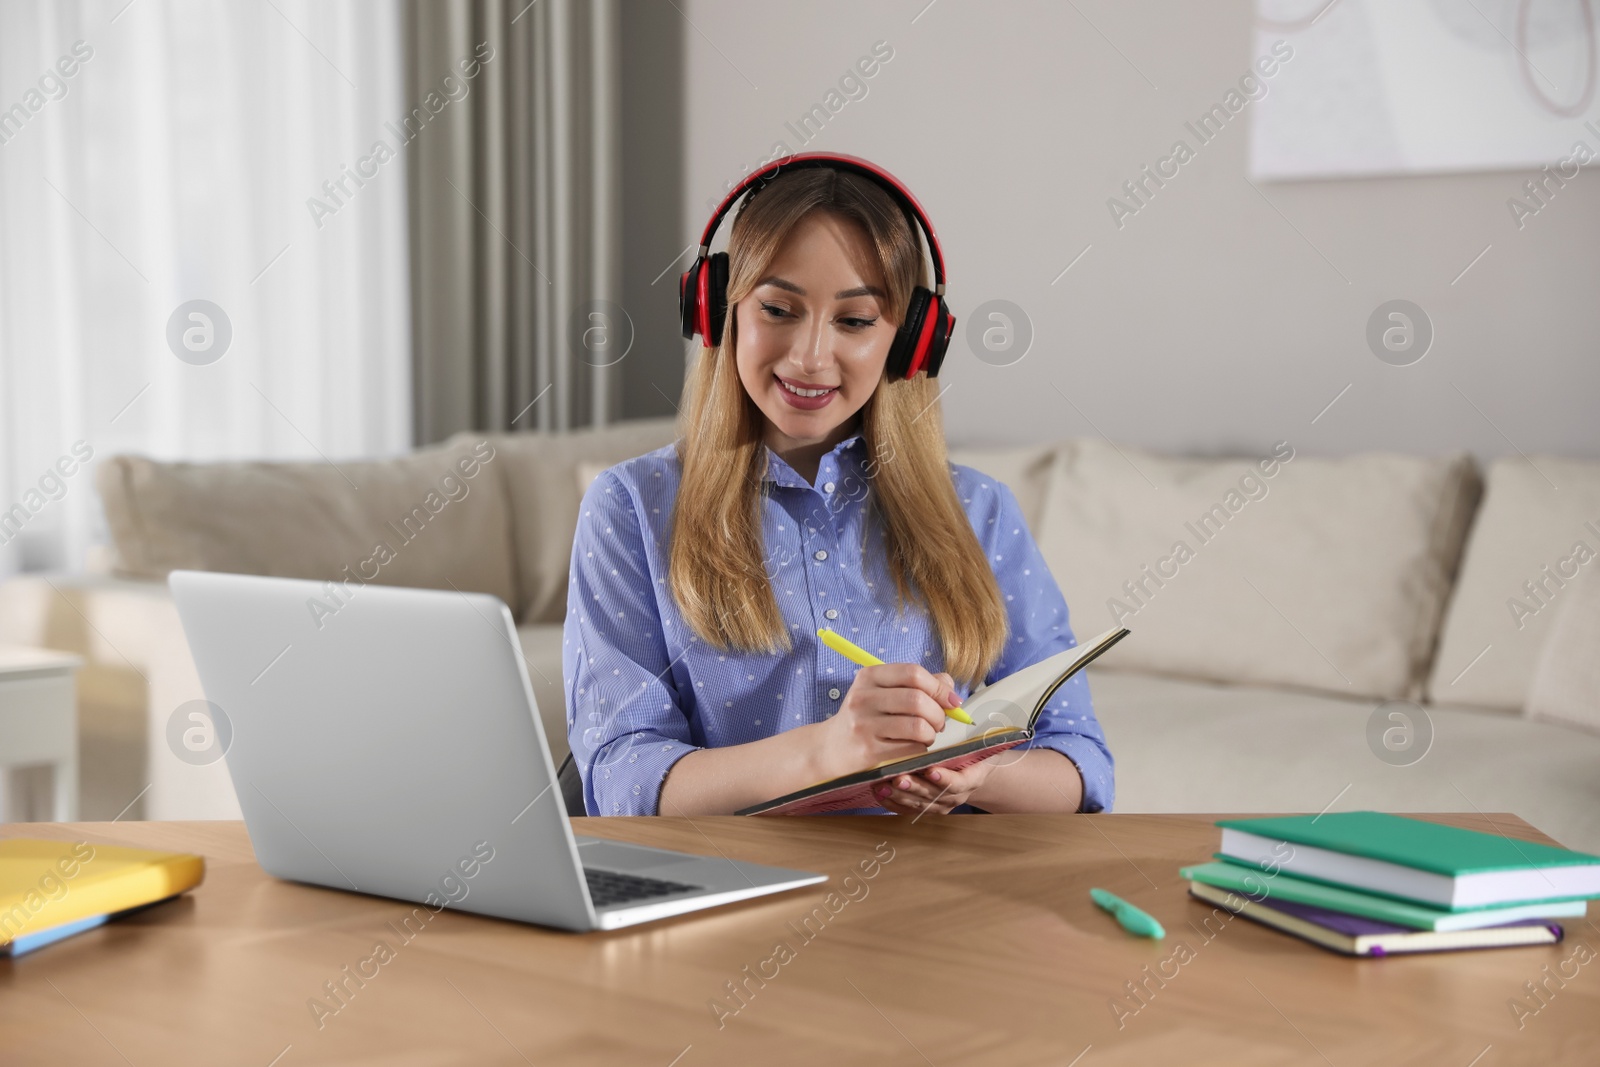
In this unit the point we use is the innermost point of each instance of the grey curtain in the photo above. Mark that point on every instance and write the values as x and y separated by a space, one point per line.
512 143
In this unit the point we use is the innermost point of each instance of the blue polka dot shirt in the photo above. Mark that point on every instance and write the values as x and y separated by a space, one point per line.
642 690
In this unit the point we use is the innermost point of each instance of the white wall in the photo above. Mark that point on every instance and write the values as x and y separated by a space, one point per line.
1212 321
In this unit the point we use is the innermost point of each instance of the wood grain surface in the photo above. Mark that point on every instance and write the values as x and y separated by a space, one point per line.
974 943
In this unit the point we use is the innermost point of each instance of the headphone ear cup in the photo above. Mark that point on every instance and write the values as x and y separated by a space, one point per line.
943 330
688 312
902 353
716 296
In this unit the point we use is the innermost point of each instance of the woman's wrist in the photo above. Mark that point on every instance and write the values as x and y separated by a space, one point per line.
1043 780
726 779
811 743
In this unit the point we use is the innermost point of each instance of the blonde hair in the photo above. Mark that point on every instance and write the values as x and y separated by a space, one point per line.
717 568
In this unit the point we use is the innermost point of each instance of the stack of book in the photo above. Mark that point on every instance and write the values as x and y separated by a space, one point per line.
50 890
1369 884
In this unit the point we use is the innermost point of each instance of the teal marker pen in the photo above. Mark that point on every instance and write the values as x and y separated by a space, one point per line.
1132 919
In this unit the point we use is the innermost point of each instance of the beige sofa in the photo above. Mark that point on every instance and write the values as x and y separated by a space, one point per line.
1308 632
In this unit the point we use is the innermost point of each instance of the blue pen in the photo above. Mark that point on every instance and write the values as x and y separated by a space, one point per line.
1132 919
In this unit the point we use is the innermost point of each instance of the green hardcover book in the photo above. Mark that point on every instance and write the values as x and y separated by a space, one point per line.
1260 885
1410 859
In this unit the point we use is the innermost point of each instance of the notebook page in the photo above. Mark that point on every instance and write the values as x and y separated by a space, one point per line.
1009 701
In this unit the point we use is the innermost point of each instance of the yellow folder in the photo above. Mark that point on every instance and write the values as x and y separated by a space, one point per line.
44 884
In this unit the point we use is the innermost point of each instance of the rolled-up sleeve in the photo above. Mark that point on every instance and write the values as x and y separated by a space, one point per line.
1039 628
625 722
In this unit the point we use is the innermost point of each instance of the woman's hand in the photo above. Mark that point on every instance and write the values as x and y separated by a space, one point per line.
892 710
938 790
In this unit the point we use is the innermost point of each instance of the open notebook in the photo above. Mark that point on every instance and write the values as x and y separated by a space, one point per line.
1003 714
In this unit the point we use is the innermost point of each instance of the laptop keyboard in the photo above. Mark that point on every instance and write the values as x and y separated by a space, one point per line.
610 887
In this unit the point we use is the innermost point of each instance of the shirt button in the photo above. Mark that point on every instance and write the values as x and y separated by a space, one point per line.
827 487
832 613
819 555
833 694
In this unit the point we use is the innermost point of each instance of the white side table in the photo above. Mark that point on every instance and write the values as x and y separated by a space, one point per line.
39 723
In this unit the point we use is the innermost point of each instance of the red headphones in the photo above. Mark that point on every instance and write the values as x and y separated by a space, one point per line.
925 328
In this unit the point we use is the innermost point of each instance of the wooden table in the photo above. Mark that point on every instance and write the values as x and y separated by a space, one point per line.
975 943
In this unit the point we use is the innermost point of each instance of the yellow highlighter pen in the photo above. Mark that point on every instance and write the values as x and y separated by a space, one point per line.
867 659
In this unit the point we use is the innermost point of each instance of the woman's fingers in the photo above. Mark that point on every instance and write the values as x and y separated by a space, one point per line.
911 703
953 781
912 794
907 705
937 789
892 710
902 703
939 688
917 786
902 801
910 804
900 804
903 728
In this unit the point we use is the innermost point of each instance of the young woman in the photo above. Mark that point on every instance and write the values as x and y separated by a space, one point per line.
807 489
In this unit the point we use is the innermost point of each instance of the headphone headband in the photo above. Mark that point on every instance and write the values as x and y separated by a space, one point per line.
855 164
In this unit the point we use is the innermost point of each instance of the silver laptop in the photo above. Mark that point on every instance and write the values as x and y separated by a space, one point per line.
386 741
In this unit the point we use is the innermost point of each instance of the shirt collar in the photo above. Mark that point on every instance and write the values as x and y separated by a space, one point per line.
845 454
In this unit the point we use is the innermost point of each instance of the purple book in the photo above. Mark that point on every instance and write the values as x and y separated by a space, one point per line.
1354 935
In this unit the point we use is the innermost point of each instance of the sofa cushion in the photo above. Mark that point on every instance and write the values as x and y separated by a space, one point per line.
1025 471
539 472
1284 570
1566 679
437 518
588 471
541 651
1202 747
1529 541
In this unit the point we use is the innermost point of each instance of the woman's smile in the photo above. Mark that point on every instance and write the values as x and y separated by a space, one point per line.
806 396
